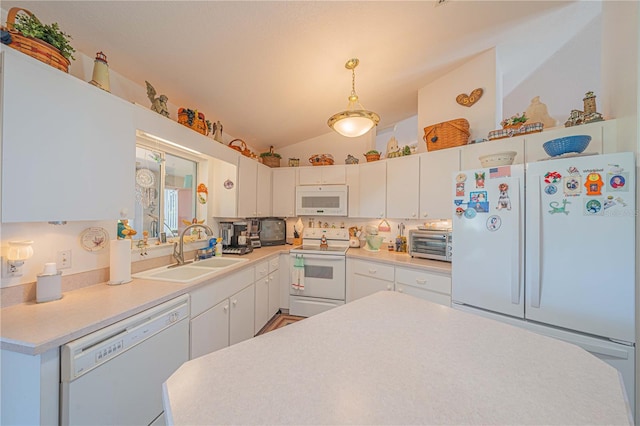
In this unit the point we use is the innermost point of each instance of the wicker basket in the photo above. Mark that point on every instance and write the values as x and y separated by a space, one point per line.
199 124
270 158
372 157
321 159
448 134
38 49
240 146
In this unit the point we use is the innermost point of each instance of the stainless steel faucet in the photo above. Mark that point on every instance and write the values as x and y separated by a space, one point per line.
178 253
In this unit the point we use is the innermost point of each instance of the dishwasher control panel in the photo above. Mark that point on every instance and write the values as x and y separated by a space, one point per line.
88 352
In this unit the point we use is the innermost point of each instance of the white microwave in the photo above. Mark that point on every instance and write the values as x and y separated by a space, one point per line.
326 200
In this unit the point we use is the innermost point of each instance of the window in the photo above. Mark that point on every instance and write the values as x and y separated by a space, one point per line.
165 192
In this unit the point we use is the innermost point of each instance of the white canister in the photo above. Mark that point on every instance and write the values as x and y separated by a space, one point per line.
49 284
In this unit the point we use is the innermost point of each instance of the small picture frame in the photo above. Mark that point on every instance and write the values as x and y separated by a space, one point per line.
163 237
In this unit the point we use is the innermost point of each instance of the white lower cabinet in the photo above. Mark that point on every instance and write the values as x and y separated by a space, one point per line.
267 292
366 277
425 285
222 313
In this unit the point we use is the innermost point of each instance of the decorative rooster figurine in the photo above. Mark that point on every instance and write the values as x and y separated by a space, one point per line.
158 104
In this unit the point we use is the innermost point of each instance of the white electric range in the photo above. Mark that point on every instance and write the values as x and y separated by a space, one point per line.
318 271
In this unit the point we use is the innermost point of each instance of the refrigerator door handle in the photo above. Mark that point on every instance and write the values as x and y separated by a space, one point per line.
515 249
534 259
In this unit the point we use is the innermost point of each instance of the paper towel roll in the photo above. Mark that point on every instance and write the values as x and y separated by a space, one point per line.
119 262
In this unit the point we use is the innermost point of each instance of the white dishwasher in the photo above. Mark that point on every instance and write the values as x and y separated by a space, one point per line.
114 376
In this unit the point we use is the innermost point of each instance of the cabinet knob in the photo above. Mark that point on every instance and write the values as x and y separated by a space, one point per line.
388 286
421 280
235 302
424 215
373 271
413 215
226 308
400 290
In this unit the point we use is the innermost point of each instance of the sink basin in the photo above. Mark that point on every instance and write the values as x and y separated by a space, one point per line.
189 272
217 262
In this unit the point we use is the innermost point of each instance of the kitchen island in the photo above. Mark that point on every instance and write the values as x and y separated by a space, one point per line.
390 358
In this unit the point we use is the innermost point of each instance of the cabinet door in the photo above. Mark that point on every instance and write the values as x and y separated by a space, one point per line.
263 189
241 318
361 286
247 187
373 189
210 330
274 293
223 198
261 311
62 141
284 191
310 175
334 175
403 187
436 171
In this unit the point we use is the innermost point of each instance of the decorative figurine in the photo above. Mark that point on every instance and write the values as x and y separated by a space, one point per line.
393 150
216 130
589 115
100 76
158 104
537 113
125 230
351 159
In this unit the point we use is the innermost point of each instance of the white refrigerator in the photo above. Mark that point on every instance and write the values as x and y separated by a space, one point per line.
552 249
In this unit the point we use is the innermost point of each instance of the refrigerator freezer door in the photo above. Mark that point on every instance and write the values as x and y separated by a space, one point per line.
580 244
487 270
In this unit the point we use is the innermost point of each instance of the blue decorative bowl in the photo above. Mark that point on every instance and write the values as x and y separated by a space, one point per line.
577 144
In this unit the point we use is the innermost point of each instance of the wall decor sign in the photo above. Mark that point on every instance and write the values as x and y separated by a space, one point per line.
468 100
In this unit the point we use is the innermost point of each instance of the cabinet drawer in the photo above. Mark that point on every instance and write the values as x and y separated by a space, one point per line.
372 269
262 270
274 264
422 279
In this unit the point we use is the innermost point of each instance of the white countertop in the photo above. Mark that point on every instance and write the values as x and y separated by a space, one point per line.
391 358
400 259
33 328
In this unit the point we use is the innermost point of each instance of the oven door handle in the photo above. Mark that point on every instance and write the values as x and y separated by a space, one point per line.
318 256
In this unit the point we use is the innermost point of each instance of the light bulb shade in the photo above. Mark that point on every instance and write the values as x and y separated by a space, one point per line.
353 123
20 250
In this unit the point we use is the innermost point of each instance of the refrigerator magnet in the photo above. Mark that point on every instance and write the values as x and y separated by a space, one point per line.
593 207
555 207
459 211
593 184
460 189
479 179
552 177
494 223
461 178
550 189
618 182
458 202
478 200
572 186
621 201
470 213
573 171
504 202
609 202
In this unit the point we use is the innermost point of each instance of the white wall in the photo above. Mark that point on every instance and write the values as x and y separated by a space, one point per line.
330 143
404 131
564 78
437 101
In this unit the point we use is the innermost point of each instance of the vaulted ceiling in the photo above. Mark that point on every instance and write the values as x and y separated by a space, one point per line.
273 71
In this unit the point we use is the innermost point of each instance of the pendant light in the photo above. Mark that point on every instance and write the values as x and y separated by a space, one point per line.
355 121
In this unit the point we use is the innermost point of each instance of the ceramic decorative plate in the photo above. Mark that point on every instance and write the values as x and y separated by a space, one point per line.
145 178
94 239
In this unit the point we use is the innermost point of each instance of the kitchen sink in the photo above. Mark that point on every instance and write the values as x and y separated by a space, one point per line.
188 272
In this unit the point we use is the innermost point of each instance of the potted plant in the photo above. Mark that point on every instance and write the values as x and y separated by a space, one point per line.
372 155
270 158
47 43
514 121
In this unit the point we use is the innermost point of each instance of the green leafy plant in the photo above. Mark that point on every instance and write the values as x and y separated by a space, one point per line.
514 119
372 152
30 26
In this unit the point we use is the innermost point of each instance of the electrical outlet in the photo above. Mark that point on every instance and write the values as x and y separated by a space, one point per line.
64 259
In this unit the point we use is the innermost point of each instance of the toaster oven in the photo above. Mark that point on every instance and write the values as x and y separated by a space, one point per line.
430 244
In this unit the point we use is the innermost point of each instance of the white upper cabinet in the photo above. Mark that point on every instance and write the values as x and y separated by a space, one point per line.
403 187
372 189
223 188
322 175
254 188
284 191
68 150
263 188
436 171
